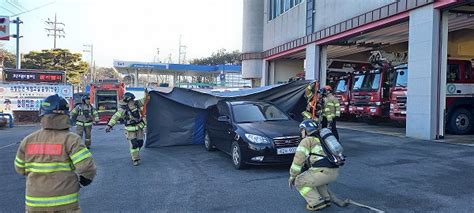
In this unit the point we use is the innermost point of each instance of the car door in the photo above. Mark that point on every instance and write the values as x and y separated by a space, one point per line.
225 131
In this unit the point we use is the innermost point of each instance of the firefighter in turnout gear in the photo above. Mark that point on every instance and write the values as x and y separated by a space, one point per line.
85 114
55 162
134 124
331 110
311 171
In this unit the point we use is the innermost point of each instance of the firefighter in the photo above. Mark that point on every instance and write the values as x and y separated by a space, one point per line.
311 171
134 124
85 114
331 110
55 162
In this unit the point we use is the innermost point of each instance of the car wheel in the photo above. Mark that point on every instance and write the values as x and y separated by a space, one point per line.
237 160
207 142
460 122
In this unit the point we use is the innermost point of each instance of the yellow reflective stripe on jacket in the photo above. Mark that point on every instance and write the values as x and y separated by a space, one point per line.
19 162
51 201
119 114
317 150
303 149
131 128
296 168
134 150
136 127
80 155
48 167
79 123
330 104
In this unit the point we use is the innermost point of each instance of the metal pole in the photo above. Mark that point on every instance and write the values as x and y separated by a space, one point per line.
92 64
17 21
179 50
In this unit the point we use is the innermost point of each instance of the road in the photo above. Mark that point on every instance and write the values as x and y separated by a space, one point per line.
393 174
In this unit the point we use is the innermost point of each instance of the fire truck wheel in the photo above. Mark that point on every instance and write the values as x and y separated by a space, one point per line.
460 122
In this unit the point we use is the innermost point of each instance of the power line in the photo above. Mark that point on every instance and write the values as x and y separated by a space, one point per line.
57 31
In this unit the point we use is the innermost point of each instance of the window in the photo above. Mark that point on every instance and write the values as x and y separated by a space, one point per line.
341 85
467 71
453 73
402 78
358 80
287 4
277 7
257 112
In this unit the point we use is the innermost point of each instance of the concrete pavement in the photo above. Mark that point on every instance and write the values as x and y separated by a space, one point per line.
394 174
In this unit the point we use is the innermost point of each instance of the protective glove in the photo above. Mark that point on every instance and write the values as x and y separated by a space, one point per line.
84 181
108 128
291 182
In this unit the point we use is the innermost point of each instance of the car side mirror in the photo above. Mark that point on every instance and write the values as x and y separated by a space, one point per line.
223 118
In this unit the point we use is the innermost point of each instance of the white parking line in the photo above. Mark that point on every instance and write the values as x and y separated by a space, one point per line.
8 145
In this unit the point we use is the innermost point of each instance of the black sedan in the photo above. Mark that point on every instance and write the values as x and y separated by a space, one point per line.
252 133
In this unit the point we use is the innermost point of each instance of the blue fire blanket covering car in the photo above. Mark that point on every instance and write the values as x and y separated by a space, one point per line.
179 117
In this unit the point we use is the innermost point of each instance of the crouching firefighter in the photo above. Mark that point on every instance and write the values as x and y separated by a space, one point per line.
55 162
315 165
85 114
134 124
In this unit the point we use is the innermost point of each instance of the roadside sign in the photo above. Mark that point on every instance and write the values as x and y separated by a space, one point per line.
28 97
4 28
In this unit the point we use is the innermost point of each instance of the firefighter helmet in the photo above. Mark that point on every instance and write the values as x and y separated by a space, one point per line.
54 104
128 96
84 98
309 126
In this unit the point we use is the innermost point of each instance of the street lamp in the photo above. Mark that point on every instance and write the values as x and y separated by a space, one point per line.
92 64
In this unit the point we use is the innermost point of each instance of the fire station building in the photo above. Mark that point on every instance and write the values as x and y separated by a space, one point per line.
282 38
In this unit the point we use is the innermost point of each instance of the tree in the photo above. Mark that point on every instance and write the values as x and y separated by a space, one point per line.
219 57
8 58
58 59
106 72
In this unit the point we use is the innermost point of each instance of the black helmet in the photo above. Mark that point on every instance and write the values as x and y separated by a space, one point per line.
84 98
128 96
54 104
309 126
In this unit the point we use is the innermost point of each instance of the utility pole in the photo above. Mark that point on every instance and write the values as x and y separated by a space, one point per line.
157 57
17 21
181 51
92 63
57 32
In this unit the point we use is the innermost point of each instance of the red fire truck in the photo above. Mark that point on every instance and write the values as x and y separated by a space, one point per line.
459 96
340 79
105 96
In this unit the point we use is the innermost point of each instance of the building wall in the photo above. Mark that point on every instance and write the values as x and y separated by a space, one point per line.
282 70
285 27
330 12
252 37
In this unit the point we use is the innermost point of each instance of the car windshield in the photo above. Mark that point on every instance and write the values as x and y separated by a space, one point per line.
371 81
358 80
402 78
257 112
341 85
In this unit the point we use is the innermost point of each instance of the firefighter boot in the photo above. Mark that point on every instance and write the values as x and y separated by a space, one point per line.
136 162
318 206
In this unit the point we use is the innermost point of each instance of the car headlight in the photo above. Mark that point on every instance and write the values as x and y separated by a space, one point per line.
257 138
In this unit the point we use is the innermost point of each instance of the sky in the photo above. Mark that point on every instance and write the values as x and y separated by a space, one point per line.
130 30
